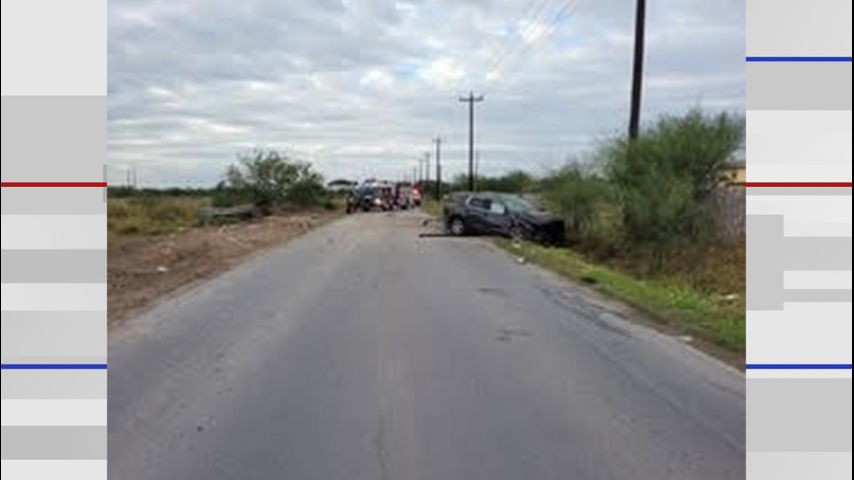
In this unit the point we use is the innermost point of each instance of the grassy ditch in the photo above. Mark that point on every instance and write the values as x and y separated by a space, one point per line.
432 207
153 215
673 301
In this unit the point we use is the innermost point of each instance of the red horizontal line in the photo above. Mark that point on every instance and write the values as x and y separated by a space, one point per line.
798 184
53 184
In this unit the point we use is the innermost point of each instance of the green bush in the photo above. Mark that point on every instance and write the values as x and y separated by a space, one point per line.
584 200
306 193
225 196
665 178
271 180
516 181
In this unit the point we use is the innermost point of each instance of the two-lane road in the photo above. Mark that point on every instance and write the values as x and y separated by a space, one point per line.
361 351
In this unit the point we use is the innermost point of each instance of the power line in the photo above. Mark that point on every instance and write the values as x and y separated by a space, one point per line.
511 40
560 14
519 39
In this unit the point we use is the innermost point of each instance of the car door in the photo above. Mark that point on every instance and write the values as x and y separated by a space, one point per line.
477 211
496 217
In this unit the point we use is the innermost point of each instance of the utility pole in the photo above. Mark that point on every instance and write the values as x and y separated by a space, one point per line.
637 70
426 166
133 177
471 99
438 142
476 168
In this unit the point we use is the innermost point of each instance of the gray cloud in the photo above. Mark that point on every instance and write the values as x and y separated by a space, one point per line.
360 87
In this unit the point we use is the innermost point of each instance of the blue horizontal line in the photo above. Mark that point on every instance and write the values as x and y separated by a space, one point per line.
53 366
798 59
798 366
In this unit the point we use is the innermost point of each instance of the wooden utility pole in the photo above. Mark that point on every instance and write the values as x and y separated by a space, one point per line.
438 142
471 100
637 70
426 166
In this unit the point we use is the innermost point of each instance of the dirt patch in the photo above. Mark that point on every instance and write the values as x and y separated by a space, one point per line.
144 268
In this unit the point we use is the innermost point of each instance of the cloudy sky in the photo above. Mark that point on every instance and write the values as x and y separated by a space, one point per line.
359 87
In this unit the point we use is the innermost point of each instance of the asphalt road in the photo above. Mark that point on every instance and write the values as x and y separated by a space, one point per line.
361 351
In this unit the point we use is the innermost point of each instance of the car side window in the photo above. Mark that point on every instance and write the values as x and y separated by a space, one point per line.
497 208
480 203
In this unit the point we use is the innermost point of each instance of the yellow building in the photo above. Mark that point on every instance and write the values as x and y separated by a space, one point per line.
736 172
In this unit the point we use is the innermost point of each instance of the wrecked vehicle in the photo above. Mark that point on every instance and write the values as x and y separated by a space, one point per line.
487 213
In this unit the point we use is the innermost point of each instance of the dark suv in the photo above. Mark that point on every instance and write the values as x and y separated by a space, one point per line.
486 213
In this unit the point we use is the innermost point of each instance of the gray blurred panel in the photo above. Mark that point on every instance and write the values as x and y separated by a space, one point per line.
53 335
798 27
770 253
798 86
54 138
53 201
54 384
798 465
802 191
53 266
801 415
54 443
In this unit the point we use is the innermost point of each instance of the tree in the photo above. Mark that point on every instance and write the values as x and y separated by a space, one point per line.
665 178
580 196
271 179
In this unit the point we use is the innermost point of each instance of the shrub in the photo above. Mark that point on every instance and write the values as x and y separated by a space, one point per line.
307 192
586 202
271 180
516 181
664 179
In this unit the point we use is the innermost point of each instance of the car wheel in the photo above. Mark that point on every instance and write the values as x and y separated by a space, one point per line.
456 226
516 233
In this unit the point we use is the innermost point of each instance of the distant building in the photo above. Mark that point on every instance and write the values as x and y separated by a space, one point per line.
736 171
730 199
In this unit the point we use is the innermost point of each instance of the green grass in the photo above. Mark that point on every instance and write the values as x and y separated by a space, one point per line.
432 207
671 301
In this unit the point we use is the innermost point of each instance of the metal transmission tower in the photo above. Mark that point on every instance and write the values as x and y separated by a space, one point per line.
438 142
471 100
637 69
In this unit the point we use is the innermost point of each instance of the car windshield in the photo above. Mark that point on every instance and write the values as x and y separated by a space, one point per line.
516 204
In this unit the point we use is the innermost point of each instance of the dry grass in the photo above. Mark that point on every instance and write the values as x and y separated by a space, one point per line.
159 245
153 215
